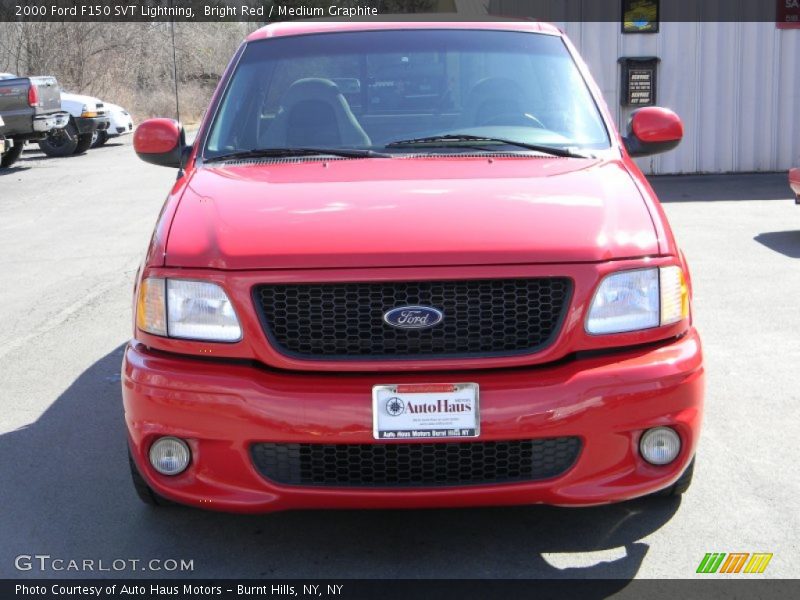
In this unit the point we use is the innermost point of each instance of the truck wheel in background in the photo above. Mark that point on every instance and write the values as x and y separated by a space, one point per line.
10 157
84 143
61 142
99 138
144 491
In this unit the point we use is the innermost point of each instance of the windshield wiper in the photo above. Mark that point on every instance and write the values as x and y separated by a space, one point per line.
302 151
454 138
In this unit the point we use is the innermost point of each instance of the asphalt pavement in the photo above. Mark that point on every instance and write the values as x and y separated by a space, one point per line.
72 232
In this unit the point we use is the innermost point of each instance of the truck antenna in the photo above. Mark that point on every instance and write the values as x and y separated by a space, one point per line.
175 78
175 68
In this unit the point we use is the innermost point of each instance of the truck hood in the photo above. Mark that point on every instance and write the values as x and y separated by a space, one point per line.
73 103
409 212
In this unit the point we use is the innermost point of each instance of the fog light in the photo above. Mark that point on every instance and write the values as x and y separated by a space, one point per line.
169 455
660 446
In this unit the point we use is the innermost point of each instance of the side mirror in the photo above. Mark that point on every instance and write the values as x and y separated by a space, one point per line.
161 142
652 130
794 182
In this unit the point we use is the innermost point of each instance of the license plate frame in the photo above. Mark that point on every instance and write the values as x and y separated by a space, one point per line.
439 414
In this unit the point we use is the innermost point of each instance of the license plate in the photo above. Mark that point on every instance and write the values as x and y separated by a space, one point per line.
413 411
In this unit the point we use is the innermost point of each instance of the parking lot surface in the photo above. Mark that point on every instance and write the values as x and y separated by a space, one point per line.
72 232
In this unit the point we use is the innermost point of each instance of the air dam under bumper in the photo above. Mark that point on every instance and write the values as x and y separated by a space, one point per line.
221 409
87 125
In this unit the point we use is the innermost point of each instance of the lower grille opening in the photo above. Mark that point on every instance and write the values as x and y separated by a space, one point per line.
415 465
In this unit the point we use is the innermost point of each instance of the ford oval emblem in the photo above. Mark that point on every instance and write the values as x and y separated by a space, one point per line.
413 317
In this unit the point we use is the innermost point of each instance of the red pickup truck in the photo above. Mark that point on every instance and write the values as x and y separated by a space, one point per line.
794 183
410 265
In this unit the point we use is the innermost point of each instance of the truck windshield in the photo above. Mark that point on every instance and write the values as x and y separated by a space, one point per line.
407 91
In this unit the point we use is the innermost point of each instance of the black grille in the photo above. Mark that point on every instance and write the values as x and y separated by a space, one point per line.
481 317
415 465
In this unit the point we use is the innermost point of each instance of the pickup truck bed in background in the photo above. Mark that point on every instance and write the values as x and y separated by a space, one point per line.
30 108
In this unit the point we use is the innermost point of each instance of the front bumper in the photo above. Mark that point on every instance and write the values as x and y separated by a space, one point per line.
46 123
120 127
91 124
222 408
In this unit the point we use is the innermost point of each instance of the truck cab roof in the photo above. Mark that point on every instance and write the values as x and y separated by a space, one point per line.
312 26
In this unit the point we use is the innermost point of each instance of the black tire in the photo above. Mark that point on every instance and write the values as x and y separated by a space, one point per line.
61 142
679 487
144 491
99 138
84 143
12 156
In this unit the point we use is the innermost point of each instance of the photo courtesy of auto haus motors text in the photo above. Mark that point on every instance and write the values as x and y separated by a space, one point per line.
399 298
176 591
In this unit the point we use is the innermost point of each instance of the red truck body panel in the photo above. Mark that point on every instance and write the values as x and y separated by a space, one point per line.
292 28
413 212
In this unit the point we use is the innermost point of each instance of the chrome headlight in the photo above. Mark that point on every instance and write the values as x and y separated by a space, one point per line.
639 299
188 309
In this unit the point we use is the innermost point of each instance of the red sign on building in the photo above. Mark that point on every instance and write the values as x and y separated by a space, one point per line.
788 14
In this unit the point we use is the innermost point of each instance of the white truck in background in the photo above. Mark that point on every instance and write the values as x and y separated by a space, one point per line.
87 117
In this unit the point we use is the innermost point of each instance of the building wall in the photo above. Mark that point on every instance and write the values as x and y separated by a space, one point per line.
735 85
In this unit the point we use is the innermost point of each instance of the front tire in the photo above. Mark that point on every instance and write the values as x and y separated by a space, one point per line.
12 156
99 139
84 143
61 142
145 492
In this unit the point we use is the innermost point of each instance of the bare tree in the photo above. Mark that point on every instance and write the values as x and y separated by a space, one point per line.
125 63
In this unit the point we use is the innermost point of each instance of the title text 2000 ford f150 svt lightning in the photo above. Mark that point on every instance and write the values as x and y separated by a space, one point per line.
410 265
